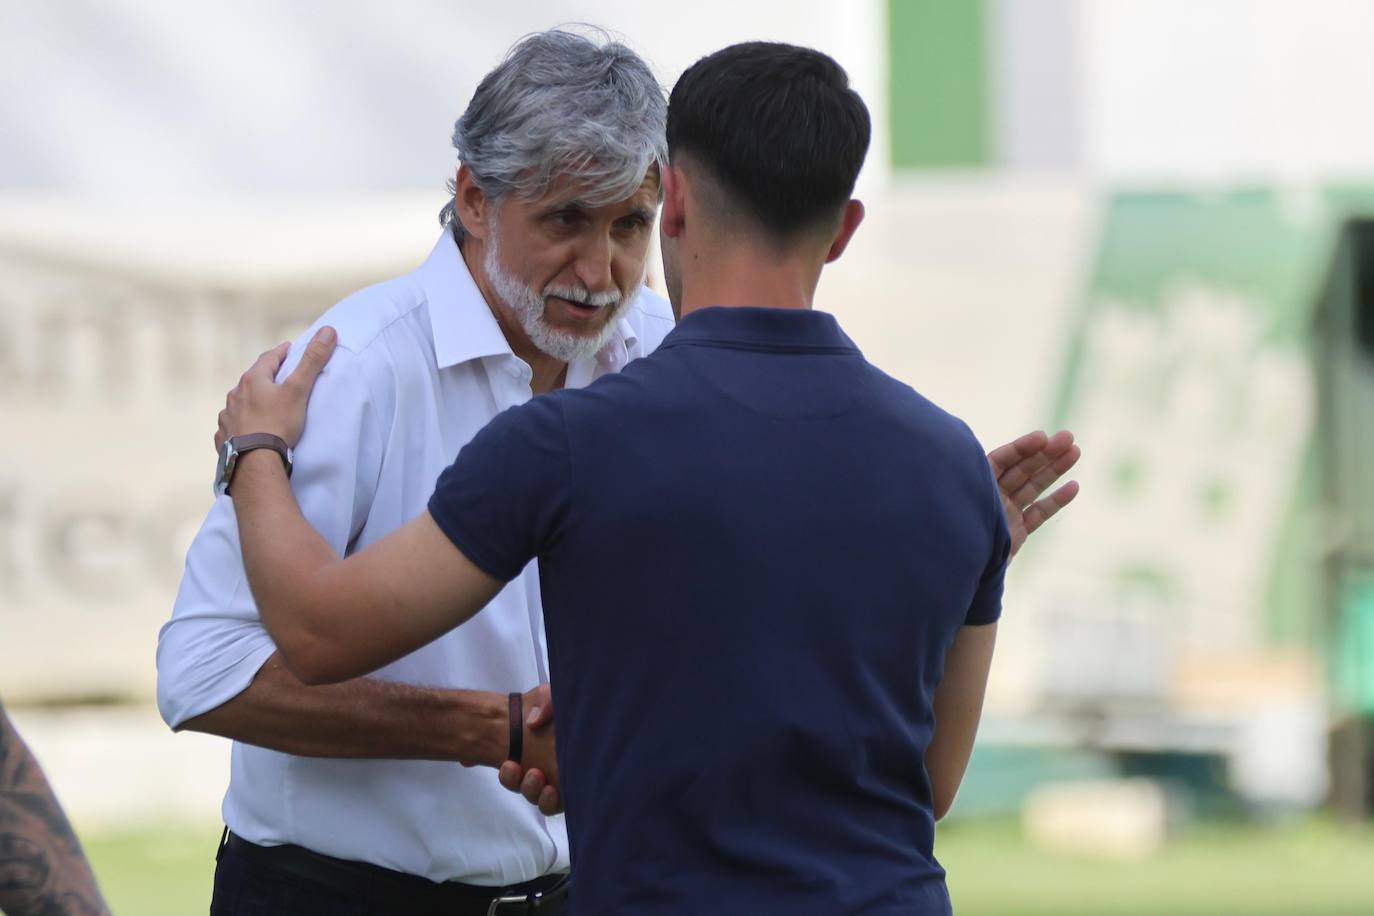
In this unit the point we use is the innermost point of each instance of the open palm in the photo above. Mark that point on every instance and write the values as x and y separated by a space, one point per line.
1025 469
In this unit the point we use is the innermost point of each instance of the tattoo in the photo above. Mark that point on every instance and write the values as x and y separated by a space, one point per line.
23 867
43 871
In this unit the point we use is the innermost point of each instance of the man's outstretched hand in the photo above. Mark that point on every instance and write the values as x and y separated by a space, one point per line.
536 777
1025 469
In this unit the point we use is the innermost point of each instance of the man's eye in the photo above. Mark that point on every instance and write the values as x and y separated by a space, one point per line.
566 218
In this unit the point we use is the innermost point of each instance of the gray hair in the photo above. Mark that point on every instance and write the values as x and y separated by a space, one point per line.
561 104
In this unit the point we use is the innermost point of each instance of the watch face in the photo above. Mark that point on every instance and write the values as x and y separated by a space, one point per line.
222 469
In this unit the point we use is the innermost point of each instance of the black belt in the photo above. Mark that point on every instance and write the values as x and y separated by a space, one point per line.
373 882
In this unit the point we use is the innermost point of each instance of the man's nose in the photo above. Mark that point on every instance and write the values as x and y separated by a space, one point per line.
594 264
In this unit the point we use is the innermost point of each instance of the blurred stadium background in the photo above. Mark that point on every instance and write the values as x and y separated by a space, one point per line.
1150 221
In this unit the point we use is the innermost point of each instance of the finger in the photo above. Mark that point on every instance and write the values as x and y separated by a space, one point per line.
267 365
1045 477
539 716
1073 449
313 360
1004 457
541 695
1016 477
550 802
1060 447
1050 448
532 785
1025 470
510 774
1045 509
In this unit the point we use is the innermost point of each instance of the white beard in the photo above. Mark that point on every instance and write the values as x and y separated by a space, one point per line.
528 306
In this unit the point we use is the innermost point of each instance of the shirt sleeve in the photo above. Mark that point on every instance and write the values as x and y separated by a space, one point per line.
503 502
987 600
215 643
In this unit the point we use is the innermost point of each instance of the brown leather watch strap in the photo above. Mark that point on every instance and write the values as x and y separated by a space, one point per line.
252 441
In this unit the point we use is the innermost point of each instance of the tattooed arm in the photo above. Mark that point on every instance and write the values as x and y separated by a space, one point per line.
43 871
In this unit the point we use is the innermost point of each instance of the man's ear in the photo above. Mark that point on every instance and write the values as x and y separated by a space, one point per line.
471 204
853 215
674 215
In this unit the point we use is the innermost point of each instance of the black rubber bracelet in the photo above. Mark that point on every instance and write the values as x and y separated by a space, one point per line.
517 727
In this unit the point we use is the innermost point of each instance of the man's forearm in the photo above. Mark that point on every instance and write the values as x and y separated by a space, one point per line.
281 550
42 867
362 718
334 619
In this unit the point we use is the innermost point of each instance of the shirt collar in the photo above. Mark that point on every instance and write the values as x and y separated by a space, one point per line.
463 325
798 330
618 349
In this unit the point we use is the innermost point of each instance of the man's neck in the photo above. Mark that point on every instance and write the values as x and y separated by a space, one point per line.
548 378
745 276
547 372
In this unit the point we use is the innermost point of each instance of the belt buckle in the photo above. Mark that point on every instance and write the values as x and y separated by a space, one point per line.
527 899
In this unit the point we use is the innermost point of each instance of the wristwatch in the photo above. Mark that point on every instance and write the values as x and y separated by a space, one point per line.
235 446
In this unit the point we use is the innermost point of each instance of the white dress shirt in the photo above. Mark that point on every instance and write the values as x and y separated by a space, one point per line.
421 366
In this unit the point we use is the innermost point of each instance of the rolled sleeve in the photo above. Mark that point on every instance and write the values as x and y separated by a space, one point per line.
215 643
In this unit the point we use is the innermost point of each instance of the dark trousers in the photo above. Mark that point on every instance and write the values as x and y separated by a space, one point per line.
245 885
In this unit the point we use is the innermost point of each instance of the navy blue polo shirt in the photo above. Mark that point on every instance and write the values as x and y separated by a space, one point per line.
754 549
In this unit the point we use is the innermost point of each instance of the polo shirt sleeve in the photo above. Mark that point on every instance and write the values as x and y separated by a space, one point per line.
503 501
987 600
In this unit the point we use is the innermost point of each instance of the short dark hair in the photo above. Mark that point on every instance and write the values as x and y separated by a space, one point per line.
778 126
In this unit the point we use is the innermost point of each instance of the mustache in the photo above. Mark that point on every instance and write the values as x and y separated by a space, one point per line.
583 296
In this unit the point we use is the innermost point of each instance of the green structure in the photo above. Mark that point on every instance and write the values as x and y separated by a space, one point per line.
1231 517
1344 351
939 92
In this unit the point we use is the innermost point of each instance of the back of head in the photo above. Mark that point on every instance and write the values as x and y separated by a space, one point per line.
562 105
778 127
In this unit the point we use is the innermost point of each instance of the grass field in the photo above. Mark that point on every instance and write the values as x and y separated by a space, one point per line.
1313 868
155 871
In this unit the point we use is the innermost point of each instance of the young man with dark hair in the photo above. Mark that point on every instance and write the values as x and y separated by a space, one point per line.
768 569
766 147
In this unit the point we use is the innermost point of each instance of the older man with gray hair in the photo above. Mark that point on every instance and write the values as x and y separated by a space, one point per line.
346 799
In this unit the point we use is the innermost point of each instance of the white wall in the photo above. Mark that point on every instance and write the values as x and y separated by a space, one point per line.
1228 90
1191 91
141 97
1036 84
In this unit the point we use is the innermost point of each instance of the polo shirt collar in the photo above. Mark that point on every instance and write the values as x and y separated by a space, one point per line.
463 325
747 327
